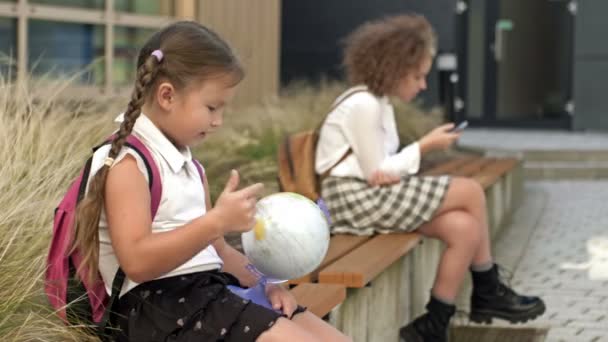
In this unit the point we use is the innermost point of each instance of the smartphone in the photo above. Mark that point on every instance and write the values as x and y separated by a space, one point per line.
460 127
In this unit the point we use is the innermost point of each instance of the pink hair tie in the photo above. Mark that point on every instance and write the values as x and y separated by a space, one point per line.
158 54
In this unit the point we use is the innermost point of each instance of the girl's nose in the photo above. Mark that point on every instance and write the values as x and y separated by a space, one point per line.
423 84
217 121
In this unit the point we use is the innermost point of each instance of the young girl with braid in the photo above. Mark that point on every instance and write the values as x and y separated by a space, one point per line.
177 264
376 189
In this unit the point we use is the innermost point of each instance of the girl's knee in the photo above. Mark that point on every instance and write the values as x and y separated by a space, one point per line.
462 229
469 185
468 189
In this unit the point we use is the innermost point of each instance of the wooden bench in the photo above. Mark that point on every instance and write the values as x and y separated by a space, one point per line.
361 265
374 268
355 260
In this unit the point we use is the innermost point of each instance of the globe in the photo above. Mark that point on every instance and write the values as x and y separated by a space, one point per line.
290 238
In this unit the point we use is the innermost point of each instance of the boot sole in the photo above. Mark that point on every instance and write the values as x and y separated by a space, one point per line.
407 336
486 316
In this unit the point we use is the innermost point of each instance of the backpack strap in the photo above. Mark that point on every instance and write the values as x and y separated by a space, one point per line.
318 130
154 183
199 168
155 186
117 283
345 96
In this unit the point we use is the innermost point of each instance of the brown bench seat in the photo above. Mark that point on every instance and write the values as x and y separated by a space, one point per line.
363 264
339 246
355 261
320 299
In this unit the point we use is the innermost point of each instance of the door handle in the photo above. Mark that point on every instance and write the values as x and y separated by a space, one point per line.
500 28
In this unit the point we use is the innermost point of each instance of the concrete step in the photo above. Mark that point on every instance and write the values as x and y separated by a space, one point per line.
567 155
550 170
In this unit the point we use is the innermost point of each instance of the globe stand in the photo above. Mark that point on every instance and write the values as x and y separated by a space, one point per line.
257 293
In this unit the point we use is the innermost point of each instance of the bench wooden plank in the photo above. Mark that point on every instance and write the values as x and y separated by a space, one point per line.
492 173
473 167
449 166
320 299
363 264
339 245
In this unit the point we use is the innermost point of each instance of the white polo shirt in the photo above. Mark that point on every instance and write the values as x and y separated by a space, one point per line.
182 200
365 123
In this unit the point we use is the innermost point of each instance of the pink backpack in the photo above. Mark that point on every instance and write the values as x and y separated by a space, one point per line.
88 302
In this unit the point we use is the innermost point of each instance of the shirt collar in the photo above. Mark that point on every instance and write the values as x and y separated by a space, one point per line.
156 140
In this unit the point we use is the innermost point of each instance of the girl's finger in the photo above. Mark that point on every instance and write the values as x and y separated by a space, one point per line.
275 300
288 307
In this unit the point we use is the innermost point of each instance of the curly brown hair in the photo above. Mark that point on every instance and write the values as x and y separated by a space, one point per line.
380 53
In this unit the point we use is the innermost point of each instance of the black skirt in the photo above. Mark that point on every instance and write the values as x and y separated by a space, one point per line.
193 307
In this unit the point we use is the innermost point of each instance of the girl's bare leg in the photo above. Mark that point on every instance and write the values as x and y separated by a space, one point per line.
461 222
303 327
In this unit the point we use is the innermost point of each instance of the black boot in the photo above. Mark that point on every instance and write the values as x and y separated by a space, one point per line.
492 298
430 327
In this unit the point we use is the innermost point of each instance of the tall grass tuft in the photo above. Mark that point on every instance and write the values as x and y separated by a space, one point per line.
43 142
45 137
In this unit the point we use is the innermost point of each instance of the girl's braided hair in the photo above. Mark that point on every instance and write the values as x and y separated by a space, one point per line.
181 53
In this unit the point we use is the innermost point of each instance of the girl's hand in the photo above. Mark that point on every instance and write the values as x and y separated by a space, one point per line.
439 138
281 298
235 209
378 178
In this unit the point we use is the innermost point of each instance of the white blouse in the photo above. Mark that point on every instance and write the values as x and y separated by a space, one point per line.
182 200
365 123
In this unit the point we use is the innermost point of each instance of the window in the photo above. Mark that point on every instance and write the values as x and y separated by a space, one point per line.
97 4
64 49
147 7
7 47
68 37
127 42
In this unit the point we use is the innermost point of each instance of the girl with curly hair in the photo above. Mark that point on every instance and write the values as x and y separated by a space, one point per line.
371 187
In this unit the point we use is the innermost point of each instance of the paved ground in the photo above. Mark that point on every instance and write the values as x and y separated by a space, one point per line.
558 248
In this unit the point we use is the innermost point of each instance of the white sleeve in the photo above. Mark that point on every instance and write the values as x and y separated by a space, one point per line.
405 162
141 165
100 155
363 130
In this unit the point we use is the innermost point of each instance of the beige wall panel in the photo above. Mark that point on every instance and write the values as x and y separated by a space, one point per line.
252 27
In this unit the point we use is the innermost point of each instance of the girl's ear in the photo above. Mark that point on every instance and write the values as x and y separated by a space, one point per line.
165 95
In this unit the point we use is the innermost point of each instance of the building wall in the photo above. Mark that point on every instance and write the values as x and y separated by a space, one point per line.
591 66
253 29
313 30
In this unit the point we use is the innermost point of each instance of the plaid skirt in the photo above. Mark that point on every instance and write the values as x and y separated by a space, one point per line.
193 307
357 208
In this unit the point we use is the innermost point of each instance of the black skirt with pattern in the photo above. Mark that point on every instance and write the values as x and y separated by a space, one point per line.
193 307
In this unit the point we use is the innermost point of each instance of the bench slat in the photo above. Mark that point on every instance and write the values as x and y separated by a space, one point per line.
320 299
448 167
493 172
339 245
363 264
473 167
